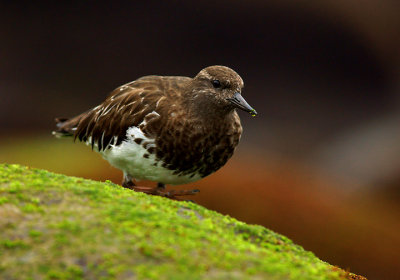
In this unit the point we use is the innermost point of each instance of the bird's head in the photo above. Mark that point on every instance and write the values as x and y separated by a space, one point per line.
222 87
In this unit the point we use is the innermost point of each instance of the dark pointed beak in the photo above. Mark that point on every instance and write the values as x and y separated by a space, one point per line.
238 101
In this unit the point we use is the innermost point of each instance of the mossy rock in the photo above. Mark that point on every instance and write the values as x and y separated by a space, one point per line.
58 227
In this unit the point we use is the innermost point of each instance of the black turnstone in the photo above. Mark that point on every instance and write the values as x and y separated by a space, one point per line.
168 129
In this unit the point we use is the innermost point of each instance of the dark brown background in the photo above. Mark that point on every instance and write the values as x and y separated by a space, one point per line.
321 161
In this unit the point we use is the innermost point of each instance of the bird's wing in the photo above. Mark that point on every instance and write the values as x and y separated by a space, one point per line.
127 106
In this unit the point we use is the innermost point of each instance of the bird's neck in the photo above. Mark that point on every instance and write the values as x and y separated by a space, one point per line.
200 107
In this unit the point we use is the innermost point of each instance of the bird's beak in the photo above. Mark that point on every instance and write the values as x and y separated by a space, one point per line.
238 101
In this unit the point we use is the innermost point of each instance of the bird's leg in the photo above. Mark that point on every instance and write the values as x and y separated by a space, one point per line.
127 181
160 186
160 190
175 194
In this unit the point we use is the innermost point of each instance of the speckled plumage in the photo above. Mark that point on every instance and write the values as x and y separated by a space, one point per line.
172 130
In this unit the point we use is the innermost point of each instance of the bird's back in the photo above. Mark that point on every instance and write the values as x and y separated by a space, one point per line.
126 106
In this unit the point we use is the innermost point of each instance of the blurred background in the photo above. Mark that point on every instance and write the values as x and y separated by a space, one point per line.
319 164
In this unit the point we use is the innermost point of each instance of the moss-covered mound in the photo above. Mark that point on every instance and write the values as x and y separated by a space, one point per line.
59 227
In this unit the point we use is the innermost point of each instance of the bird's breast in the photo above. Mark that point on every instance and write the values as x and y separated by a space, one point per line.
191 146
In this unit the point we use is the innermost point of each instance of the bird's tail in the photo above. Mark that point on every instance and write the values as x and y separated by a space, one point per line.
66 127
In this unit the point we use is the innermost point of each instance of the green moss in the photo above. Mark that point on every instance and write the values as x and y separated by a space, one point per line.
59 227
3 200
34 233
13 244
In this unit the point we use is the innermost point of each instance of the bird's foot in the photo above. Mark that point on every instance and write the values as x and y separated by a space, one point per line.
160 191
129 184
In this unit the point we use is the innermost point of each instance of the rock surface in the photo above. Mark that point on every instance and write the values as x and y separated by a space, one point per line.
58 227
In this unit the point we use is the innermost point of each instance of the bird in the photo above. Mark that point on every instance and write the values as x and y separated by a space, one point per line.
166 129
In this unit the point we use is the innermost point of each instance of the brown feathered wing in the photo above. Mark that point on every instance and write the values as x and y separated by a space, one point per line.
107 123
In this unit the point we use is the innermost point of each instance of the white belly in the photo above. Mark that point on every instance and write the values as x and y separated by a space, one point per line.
128 156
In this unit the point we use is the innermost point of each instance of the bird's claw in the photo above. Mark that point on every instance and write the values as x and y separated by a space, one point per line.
158 191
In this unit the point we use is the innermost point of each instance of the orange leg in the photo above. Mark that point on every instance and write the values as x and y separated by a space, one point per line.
160 190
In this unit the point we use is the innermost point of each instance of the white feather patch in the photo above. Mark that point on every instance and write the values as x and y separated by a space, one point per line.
128 156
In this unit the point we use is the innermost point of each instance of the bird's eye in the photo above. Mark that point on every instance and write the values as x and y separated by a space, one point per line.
216 83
